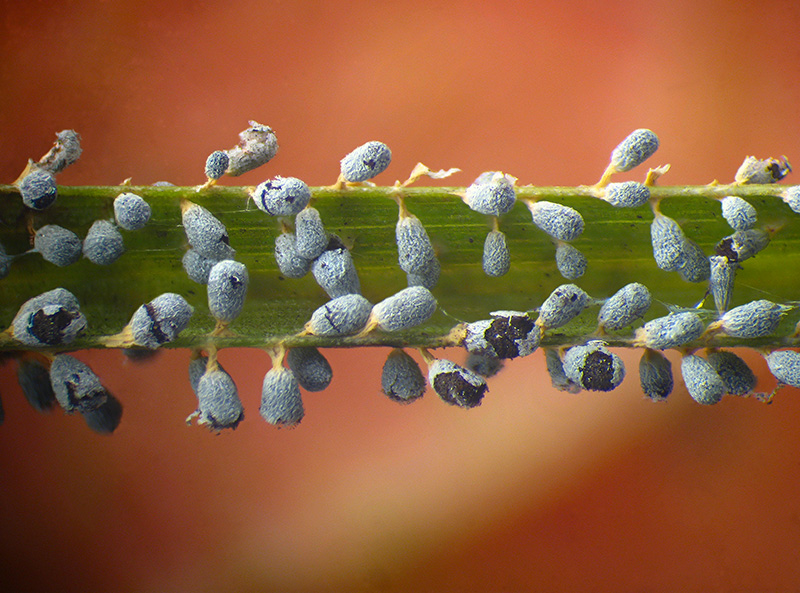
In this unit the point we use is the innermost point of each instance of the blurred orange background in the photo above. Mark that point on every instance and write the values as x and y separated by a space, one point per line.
534 490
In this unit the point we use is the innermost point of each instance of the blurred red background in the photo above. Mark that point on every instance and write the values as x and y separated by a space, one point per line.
534 490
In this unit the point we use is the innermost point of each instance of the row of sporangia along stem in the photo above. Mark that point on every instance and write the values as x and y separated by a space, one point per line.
52 320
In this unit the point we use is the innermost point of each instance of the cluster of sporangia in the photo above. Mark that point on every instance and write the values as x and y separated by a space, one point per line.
54 319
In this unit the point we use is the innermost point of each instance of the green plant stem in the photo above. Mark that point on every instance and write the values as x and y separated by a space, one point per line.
616 242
